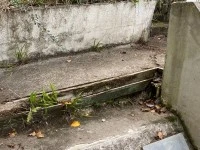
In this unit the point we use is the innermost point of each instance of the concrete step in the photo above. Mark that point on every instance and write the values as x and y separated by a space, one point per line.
108 128
123 128
19 81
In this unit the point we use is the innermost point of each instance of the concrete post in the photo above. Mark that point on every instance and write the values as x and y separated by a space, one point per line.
181 83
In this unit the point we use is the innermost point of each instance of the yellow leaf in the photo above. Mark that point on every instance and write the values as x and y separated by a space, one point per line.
12 134
160 135
158 107
153 110
75 124
32 134
68 103
39 134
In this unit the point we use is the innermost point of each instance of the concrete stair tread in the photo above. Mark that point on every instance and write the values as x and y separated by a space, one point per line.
125 127
78 69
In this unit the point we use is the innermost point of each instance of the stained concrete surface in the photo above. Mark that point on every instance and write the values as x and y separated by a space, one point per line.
124 127
80 68
182 69
175 142
63 29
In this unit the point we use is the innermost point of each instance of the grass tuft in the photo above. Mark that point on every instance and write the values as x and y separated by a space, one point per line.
44 101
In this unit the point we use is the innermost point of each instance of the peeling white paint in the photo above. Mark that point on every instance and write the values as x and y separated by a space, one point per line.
73 28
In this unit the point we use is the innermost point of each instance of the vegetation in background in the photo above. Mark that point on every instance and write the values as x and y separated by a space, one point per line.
8 4
162 10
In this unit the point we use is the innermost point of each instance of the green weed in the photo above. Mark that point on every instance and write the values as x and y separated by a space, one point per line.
21 3
74 105
96 46
43 101
134 1
21 54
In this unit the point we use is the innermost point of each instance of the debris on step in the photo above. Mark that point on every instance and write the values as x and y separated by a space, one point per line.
75 124
103 120
160 135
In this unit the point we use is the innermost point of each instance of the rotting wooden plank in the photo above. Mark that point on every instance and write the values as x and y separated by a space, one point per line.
112 93
88 88
160 70
102 85
86 101
116 92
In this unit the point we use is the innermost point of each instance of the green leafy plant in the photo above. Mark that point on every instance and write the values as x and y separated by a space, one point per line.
134 1
96 46
43 101
21 3
21 54
74 105
16 3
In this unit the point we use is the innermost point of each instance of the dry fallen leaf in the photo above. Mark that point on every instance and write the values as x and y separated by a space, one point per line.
39 134
11 145
32 134
160 135
145 109
150 105
149 101
157 107
163 110
153 111
75 124
141 102
68 103
12 134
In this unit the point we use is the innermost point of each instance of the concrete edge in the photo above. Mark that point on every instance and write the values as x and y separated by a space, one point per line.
71 5
197 4
135 139
66 94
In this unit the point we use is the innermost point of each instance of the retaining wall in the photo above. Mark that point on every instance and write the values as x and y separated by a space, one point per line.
63 29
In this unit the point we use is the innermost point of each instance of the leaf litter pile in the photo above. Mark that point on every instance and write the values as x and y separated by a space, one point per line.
153 106
37 134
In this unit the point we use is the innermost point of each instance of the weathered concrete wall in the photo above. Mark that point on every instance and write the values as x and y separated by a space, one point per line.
47 31
193 0
181 83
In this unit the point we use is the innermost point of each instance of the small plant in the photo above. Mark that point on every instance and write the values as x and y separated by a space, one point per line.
44 101
38 2
74 105
134 1
15 3
21 54
96 46
21 3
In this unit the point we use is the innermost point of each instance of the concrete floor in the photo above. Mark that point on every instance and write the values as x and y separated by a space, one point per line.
77 69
